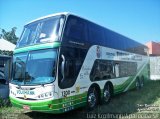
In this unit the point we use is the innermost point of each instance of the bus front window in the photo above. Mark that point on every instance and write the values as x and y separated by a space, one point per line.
41 31
39 68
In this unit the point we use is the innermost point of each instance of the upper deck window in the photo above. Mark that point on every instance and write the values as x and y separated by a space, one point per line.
41 31
75 30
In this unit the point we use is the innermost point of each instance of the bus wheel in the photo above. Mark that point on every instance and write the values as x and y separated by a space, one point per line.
106 94
142 82
92 98
138 85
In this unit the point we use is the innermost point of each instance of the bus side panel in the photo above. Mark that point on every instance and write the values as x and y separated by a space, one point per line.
144 73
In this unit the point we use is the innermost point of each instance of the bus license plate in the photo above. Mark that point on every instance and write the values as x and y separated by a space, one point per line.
26 107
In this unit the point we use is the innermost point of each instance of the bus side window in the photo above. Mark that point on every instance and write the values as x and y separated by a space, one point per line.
96 34
117 70
76 30
73 62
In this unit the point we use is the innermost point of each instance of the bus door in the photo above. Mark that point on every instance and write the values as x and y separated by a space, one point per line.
69 67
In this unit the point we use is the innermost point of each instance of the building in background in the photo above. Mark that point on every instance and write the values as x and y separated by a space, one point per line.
154 48
154 52
6 50
155 68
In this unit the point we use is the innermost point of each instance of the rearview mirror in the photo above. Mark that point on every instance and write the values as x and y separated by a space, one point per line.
63 66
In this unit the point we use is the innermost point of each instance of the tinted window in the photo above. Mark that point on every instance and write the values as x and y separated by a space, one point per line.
36 67
109 40
75 30
120 42
96 34
41 31
102 69
107 69
87 33
73 59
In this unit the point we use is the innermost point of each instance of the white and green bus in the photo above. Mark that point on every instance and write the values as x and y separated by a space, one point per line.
62 62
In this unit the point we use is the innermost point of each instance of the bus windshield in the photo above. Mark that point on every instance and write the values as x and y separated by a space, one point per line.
41 31
34 68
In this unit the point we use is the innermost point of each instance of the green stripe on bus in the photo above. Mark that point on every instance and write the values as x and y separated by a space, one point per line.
56 105
120 88
144 73
37 47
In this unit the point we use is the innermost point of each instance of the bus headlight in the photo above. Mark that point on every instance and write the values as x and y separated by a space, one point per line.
12 93
46 95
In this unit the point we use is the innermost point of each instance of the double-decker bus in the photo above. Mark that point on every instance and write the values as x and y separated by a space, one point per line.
62 62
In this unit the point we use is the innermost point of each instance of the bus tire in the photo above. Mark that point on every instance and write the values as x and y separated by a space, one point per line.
142 82
138 85
92 98
107 94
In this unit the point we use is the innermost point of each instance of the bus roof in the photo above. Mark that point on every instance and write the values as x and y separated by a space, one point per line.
68 13
55 14
51 15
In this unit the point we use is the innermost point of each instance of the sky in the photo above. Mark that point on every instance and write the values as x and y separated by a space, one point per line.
136 19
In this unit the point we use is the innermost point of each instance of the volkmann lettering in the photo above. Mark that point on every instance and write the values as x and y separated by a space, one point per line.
27 92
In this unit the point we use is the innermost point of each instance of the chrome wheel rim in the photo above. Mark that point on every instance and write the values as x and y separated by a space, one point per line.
92 100
142 84
137 85
106 95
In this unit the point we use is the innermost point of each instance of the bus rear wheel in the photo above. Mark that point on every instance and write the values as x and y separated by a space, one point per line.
138 84
142 82
92 98
106 94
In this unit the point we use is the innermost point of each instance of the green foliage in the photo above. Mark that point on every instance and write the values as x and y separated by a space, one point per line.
9 35
4 102
8 53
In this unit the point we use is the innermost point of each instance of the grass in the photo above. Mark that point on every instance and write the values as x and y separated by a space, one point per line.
144 103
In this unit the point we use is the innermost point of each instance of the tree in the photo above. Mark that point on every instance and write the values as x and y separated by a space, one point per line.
10 35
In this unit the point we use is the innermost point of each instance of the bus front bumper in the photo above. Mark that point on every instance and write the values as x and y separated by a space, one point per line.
49 106
55 106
